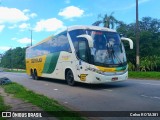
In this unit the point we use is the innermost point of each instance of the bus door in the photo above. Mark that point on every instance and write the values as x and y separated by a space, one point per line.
83 55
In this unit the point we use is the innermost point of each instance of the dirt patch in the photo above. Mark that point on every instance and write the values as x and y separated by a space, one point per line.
20 105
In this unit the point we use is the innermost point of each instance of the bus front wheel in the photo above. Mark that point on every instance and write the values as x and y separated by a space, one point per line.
70 78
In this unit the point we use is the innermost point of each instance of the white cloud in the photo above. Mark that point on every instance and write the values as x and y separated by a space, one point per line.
13 26
88 15
51 24
24 40
4 48
14 38
11 15
24 26
32 15
26 10
28 13
71 12
1 27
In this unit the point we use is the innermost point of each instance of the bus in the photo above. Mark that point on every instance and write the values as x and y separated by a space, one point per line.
87 54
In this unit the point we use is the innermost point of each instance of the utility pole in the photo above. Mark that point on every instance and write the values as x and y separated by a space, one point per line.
137 39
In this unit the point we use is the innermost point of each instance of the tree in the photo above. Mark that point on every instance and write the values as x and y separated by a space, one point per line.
97 23
14 58
149 42
108 21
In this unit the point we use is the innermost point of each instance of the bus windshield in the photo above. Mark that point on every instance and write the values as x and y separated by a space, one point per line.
108 50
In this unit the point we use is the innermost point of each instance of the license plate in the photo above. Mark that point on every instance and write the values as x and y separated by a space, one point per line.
115 78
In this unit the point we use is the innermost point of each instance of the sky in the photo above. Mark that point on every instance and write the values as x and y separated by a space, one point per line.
48 17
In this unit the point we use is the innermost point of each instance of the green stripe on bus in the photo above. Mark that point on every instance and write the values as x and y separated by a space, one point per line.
51 62
121 68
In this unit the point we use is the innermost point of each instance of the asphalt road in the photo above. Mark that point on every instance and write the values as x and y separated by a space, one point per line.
130 95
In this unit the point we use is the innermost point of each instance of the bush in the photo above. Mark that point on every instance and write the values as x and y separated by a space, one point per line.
148 63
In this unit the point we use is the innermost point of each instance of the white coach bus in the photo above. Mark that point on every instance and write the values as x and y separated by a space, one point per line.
87 54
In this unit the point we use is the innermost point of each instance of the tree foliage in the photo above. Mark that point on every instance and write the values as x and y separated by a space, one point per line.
149 30
14 58
108 21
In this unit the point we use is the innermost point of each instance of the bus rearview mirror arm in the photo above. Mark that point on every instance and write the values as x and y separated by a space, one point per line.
89 39
129 40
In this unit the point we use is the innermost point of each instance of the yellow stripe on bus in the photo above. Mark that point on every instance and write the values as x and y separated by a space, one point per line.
105 69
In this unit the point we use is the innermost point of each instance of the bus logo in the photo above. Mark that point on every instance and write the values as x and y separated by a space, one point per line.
82 77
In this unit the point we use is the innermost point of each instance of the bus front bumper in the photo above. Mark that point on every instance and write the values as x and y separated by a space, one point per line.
99 78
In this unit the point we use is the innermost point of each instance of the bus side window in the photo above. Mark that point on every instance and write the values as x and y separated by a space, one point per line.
64 43
82 50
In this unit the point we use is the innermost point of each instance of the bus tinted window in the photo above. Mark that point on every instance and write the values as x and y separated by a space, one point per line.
55 44
73 34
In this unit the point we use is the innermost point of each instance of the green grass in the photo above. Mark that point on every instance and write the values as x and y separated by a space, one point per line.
145 75
3 107
41 101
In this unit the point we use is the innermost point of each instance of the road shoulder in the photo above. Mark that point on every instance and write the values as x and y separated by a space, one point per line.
20 105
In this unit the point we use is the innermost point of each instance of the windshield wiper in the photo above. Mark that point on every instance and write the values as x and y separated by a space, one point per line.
113 55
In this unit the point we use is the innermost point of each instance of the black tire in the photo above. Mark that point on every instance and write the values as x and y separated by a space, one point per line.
70 78
35 75
32 75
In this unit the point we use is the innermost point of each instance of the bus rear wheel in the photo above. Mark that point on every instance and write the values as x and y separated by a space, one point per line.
32 74
35 75
70 78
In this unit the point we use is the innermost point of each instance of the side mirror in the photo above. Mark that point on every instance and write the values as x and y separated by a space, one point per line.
89 39
129 40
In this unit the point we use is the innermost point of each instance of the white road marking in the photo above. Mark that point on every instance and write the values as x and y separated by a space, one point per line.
55 89
152 97
156 97
149 84
110 90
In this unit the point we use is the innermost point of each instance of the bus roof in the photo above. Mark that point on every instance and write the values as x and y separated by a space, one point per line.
89 27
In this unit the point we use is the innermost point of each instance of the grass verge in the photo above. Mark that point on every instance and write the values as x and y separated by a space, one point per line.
145 75
41 101
3 107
